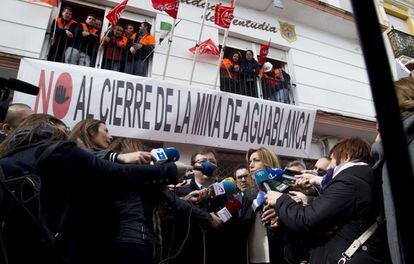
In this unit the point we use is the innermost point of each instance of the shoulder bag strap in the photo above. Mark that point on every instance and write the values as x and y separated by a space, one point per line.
347 255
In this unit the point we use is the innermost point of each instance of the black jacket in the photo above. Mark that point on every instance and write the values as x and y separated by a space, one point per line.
249 69
71 175
348 206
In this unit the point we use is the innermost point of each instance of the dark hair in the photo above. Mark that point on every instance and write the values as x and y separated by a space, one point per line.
130 24
238 53
354 148
67 8
126 145
240 167
35 129
251 51
84 131
203 151
147 26
92 15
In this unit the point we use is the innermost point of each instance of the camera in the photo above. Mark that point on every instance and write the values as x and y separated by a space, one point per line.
6 85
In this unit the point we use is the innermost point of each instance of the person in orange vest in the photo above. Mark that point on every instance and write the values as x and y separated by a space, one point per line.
63 32
272 80
229 73
115 43
85 41
140 50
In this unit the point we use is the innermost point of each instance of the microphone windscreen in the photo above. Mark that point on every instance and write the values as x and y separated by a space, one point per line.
208 168
260 177
233 205
21 86
275 174
231 179
172 154
229 187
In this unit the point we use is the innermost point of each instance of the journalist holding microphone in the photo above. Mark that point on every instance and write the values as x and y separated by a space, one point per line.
347 209
74 184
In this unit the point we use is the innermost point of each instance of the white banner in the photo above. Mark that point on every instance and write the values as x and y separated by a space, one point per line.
152 109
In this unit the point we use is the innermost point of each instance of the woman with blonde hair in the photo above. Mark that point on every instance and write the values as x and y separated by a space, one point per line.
264 245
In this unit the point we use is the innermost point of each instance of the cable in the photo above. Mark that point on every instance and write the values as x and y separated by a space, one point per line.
185 239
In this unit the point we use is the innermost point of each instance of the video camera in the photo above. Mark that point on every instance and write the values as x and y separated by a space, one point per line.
16 85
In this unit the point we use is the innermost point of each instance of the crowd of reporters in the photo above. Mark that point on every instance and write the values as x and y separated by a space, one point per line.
106 200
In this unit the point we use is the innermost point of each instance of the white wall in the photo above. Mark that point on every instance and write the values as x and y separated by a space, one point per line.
22 27
328 69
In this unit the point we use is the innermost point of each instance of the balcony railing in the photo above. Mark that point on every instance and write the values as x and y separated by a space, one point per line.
401 43
114 58
259 87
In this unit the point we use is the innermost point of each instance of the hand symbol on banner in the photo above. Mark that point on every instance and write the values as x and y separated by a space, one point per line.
60 95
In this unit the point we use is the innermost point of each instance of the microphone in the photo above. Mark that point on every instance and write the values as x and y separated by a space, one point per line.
232 207
280 175
207 168
224 187
263 180
165 155
20 86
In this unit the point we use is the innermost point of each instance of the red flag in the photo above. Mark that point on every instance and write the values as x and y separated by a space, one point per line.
169 6
50 2
264 50
223 15
206 47
115 14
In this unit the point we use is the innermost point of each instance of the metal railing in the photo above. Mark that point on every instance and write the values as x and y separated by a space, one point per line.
85 53
255 86
401 43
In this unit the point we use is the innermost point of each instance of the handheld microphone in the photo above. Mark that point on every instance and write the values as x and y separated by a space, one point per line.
224 187
280 175
165 155
232 207
207 168
263 180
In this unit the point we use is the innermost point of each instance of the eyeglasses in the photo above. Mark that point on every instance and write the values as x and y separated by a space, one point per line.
242 176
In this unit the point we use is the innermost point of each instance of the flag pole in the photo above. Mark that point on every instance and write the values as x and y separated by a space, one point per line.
223 46
169 50
198 42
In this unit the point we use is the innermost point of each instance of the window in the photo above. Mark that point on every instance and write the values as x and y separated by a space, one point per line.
67 43
77 40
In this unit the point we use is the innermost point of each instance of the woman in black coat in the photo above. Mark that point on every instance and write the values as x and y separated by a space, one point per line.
249 69
349 204
74 183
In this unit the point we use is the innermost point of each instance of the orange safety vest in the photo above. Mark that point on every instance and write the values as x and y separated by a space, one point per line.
146 40
272 81
225 69
91 30
113 51
62 25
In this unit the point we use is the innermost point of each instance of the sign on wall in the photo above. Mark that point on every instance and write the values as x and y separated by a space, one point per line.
152 109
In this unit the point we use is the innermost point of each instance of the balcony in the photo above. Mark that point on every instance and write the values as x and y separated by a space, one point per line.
111 56
401 43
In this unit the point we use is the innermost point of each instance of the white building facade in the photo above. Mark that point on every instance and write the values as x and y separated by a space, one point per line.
324 60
